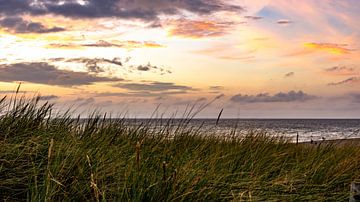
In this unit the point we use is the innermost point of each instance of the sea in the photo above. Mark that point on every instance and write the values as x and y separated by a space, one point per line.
302 130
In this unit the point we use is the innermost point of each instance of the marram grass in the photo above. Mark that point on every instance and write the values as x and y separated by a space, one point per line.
46 157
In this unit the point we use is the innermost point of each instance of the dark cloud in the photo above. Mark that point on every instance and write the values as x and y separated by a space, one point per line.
56 59
126 9
92 64
341 70
291 96
14 91
48 97
283 22
338 68
351 80
13 7
149 67
19 25
96 65
253 17
145 68
290 74
115 61
44 73
153 87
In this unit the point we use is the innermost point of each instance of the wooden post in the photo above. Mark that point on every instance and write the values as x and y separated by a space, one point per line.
355 192
218 119
297 138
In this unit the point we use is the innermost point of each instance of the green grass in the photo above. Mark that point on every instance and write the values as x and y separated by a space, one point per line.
51 157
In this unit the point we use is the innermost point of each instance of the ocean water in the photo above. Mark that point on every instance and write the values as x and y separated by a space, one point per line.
307 129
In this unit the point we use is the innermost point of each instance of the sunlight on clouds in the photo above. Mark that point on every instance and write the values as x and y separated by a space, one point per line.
338 49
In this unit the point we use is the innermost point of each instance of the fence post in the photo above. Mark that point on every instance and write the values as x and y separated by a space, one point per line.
297 138
355 191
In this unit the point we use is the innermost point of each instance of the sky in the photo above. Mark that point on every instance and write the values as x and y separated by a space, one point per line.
251 58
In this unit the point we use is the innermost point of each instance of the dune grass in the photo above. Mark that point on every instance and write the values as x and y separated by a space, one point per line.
47 157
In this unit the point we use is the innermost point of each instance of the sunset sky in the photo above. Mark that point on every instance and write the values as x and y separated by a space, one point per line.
253 58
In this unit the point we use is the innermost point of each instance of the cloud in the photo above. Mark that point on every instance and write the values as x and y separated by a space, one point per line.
96 65
153 87
291 96
64 46
84 101
353 97
253 17
134 9
141 94
104 44
216 87
351 80
88 101
145 68
219 96
150 44
48 97
92 64
340 70
356 97
14 91
44 73
290 74
333 48
198 28
148 67
192 102
107 44
284 22
21 26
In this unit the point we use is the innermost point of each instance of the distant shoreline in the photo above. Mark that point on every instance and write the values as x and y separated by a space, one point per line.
336 142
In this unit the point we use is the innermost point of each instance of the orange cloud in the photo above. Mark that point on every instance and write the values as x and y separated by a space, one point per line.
332 48
150 44
198 29
338 49
140 44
